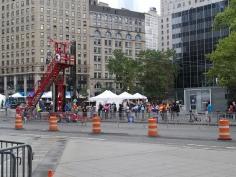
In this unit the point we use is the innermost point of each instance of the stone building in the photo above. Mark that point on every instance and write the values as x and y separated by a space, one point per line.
112 29
26 27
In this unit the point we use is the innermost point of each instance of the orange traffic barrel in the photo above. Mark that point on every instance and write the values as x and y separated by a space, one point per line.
152 127
53 123
50 173
96 125
224 131
18 122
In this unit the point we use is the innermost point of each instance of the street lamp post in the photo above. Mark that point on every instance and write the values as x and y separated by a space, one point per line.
73 72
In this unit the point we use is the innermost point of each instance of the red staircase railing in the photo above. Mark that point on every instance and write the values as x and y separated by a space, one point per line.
52 72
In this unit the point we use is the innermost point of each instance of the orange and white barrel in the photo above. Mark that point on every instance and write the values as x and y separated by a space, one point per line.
96 121
18 122
224 130
152 127
53 123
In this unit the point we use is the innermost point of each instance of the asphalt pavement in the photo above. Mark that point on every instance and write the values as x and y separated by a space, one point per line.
125 150
102 158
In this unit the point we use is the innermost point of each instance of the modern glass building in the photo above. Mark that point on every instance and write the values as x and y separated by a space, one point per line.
193 38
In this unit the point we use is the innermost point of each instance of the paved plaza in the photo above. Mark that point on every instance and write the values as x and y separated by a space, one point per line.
101 158
125 150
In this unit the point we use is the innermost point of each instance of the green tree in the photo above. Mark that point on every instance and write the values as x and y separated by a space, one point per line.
224 56
158 73
125 70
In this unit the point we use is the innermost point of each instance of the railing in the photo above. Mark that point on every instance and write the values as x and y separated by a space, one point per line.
15 159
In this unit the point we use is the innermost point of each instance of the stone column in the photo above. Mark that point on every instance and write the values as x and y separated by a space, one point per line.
15 83
5 87
25 84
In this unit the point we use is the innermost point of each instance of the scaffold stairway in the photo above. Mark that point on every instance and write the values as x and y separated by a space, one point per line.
59 62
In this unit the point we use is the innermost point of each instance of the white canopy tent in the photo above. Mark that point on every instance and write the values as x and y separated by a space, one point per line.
126 96
106 97
17 95
139 96
49 94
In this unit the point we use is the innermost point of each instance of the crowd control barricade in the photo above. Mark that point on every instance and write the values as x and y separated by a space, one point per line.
15 159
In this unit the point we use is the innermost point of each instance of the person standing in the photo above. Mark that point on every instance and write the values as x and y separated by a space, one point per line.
120 109
209 111
2 103
100 107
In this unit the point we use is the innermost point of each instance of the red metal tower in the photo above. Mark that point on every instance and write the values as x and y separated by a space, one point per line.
54 73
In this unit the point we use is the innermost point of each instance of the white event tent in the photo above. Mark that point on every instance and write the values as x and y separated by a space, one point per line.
49 94
17 95
110 97
126 96
139 96
106 97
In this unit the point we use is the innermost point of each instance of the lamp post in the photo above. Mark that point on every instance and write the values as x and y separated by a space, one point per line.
7 104
73 72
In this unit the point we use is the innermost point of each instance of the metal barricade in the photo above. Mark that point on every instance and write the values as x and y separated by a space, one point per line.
15 159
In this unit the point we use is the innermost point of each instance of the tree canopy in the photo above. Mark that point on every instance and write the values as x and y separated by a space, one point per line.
125 70
152 73
158 73
224 57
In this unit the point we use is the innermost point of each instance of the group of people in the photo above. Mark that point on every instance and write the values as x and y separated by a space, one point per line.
130 109
173 108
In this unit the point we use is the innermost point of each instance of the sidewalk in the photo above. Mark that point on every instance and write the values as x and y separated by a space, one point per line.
102 158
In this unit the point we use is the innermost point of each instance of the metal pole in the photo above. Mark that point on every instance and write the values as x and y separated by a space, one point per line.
73 68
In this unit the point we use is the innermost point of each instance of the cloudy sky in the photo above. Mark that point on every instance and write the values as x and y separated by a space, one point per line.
135 5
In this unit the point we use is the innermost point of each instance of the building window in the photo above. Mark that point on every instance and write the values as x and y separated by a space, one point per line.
97 85
97 33
128 37
108 34
97 41
118 36
138 37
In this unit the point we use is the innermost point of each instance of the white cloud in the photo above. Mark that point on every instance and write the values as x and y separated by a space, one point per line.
144 5
113 3
137 5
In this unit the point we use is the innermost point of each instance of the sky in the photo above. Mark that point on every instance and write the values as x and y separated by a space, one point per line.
135 5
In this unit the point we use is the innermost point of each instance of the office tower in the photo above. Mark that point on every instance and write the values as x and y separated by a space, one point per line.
152 29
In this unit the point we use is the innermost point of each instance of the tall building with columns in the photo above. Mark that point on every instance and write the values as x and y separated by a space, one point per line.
112 29
152 34
26 27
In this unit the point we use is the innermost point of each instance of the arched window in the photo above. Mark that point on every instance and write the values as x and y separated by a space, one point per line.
108 34
98 85
97 33
138 37
128 37
118 36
